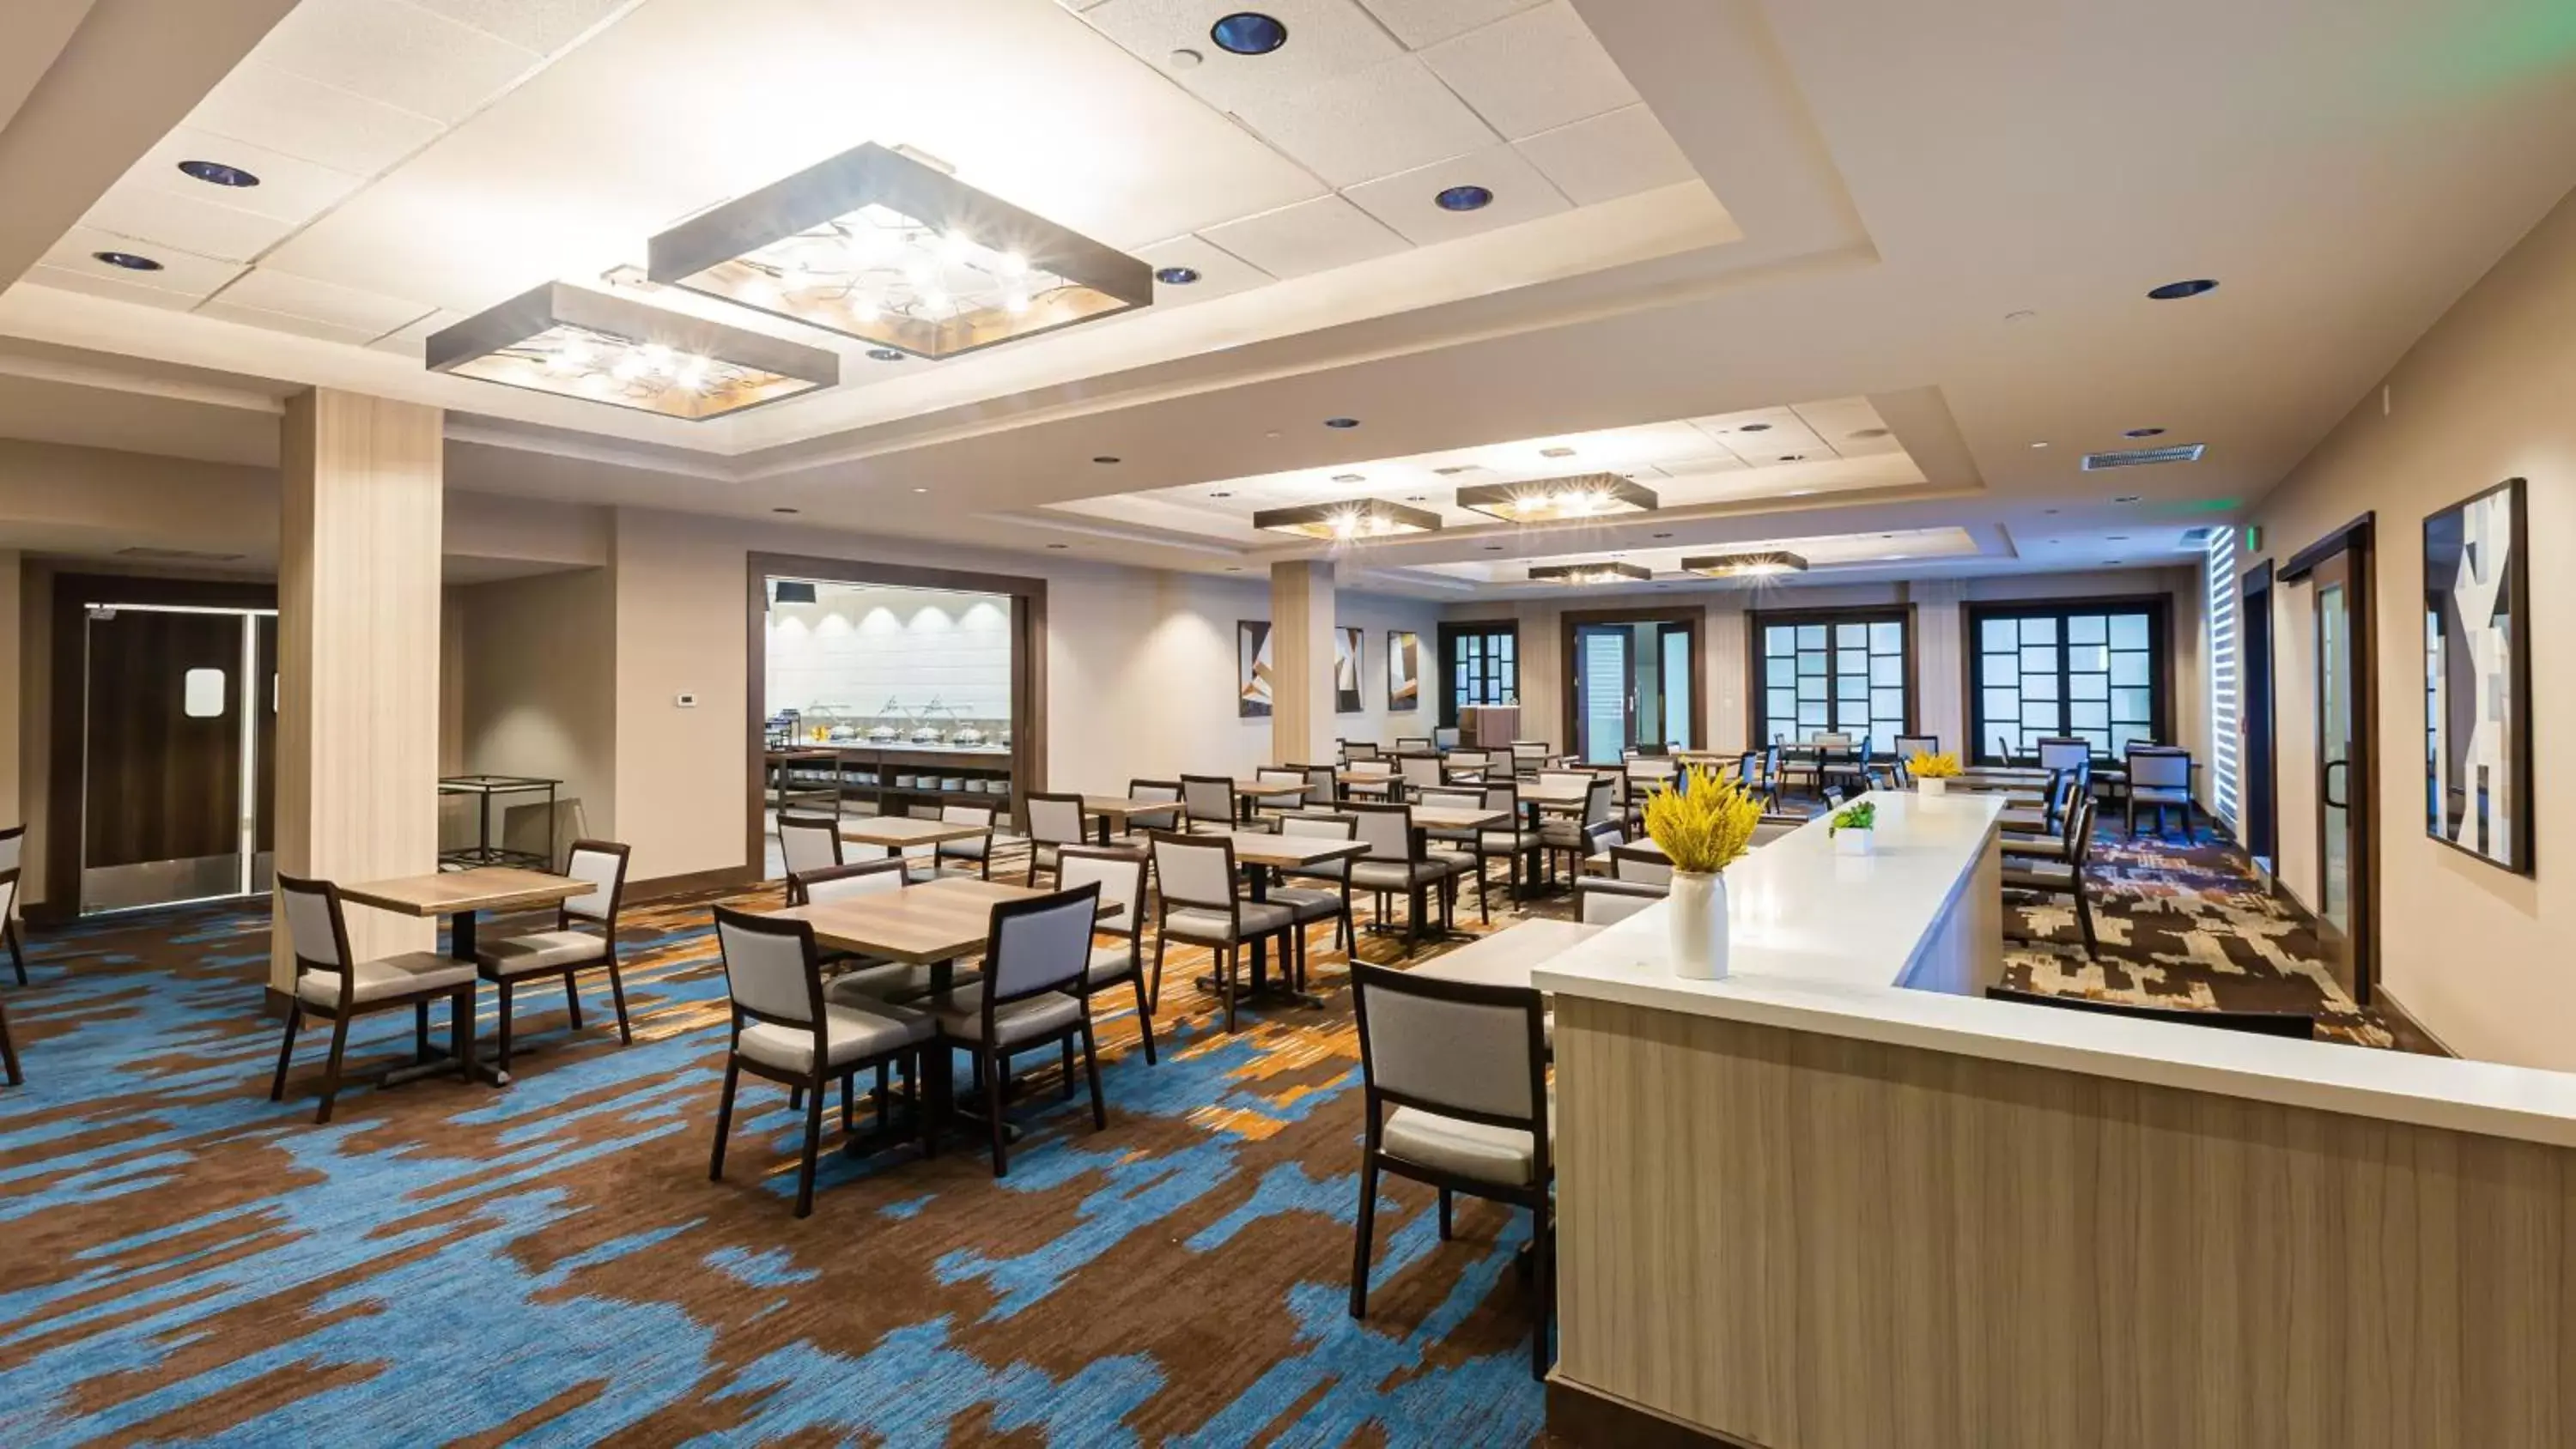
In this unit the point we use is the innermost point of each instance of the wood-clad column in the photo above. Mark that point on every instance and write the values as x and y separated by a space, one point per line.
358 654
1302 720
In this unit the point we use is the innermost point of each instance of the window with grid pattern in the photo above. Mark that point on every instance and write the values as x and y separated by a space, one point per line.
1843 674
2091 671
1484 668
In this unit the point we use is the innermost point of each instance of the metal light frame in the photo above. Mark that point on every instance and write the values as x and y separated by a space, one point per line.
520 344
1380 518
1541 500
1610 572
1763 564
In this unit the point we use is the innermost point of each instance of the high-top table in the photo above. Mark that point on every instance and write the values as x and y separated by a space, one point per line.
460 897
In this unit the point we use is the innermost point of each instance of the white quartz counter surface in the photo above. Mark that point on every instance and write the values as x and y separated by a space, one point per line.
1819 941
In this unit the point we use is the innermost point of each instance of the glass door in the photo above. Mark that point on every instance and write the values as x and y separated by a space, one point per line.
1605 691
2339 585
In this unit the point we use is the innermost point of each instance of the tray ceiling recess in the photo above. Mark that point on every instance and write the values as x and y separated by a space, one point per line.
876 245
608 349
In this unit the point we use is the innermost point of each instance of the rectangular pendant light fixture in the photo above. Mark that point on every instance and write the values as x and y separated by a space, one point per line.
1612 572
1745 565
1353 518
875 245
603 348
1551 500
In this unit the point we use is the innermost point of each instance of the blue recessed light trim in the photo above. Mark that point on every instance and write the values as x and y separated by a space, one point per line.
1341 422
216 173
1248 32
2175 291
128 260
1465 198
1177 276
885 354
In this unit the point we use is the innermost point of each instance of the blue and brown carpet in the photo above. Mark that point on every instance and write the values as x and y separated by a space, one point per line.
182 1260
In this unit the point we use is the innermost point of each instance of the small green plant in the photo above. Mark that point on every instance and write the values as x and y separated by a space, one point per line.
1863 816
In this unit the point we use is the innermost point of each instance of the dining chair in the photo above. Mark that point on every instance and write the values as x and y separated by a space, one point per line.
1641 865
1120 874
1323 786
1528 756
584 939
1271 807
1412 742
8 1048
331 983
975 848
1641 777
1418 773
1396 863
1198 905
1454 1095
785 1031
1908 746
1208 802
1445 737
1379 784
867 981
2160 777
1466 767
13 844
1359 750
2064 752
1037 954
1456 841
808 842
1567 838
1853 768
1154 792
2003 748
2064 873
1608 902
1313 903
1055 821
1511 841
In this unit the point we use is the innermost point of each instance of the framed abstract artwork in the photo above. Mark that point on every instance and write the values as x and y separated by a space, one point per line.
1403 671
1346 670
1252 668
2477 678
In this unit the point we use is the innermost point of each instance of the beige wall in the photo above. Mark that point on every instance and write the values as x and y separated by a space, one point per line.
539 698
2477 954
11 813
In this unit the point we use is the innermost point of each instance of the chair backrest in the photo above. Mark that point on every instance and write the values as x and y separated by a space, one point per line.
844 882
1445 737
1832 740
1833 797
314 924
603 864
1375 769
1038 945
2161 768
809 842
1503 795
2079 834
1154 792
2003 748
1645 865
2062 753
1323 786
1055 819
1321 827
1601 804
1462 762
13 845
1466 797
1280 775
1572 779
1195 870
968 814
1413 742
1908 746
1651 770
1420 770
1528 753
1606 908
771 969
1388 830
1209 798
1456 1048
1120 874
1603 836
1359 749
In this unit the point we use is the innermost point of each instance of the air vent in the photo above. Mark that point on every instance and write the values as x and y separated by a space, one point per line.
2140 457
790 591
2195 538
178 555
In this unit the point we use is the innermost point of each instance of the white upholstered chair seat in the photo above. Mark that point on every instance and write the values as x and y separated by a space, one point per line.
974 849
851 1035
2032 874
1396 875
960 1015
1307 904
409 974
1109 963
889 981
1499 1155
2169 794
1259 919
542 951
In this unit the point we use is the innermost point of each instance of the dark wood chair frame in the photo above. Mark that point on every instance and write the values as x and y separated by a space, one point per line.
564 921
1221 958
1080 836
993 1061
2129 791
2076 848
1345 926
459 997
12 930
1179 813
800 893
805 1088
1374 1159
1134 930
9 1048
1418 897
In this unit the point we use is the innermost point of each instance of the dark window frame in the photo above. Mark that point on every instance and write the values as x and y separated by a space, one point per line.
1757 728
1449 635
2160 659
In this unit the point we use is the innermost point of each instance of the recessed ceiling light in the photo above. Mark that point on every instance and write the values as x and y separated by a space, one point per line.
1248 32
1220 493
1417 498
1558 452
1350 478
1793 457
1464 198
1341 422
784 510
1754 428
1663 535
2126 498
1455 469
128 260
216 173
2040 444
1871 433
2023 315
2115 538
1059 545
1797 492
2175 291
1493 548
1234 568
1186 59
2048 510
1105 458
1347 519
2144 433
885 354
1177 276
921 490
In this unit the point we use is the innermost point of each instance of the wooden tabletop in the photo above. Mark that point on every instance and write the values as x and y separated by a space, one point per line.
1262 847
898 831
1364 777
1268 789
484 888
935 921
1556 794
1119 807
1506 958
1457 817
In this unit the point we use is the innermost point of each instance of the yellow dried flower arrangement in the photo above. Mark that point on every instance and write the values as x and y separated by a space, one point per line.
1943 766
1704 826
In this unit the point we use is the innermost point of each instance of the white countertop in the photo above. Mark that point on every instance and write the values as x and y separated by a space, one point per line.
1817 942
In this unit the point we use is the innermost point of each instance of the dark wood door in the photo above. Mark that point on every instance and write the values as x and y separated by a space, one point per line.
2254 617
2340 602
262 698
162 768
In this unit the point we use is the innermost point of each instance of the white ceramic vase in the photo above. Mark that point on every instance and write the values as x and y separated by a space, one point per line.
1853 842
1933 785
1698 921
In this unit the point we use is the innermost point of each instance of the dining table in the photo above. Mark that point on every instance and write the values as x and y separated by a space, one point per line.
1249 794
1507 957
1258 853
1107 811
900 832
460 897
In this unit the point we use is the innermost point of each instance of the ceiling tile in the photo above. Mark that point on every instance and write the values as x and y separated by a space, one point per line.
1763 437
1533 72
286 322
1849 426
161 219
1221 273
290 188
1614 154
270 290
410 340
181 272
1369 123
395 53
1312 236
1327 39
1428 22
1405 201
95 285
323 124
543 26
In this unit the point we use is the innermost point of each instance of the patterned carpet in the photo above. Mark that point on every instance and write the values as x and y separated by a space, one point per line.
549 1265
